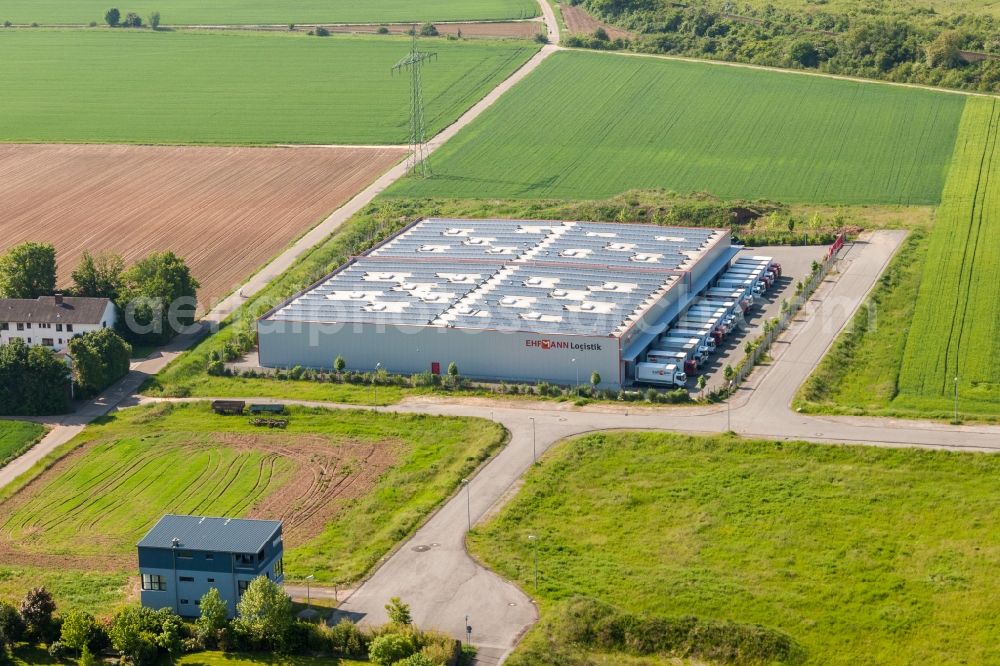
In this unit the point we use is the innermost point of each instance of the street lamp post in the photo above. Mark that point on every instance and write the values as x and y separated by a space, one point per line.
956 398
378 366
468 501
309 580
534 539
534 451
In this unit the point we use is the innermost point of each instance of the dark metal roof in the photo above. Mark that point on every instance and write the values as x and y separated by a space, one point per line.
226 535
44 310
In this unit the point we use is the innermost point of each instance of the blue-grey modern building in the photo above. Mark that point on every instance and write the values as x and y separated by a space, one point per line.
183 557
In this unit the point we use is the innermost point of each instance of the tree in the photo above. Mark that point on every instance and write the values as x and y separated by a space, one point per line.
133 633
33 380
944 51
804 52
28 270
264 614
602 35
701 383
154 20
100 358
87 658
428 30
399 612
595 379
77 630
36 609
132 20
729 373
112 17
214 616
158 298
321 31
387 649
11 624
339 364
453 370
100 276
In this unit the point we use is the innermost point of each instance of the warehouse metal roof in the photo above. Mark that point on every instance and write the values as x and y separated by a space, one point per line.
221 535
543 277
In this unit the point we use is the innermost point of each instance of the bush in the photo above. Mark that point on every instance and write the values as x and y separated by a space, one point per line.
383 30
92 24
132 20
346 639
321 31
541 38
387 649
154 20
428 30
112 17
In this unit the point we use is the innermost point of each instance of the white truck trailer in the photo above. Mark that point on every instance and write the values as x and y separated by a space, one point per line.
659 373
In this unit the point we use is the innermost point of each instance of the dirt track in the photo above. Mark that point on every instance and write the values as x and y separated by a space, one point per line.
226 210
519 29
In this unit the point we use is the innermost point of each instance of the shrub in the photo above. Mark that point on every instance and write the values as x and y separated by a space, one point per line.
154 20
112 17
346 639
387 649
428 30
418 659
92 24
321 31
132 20
383 30
399 612
11 624
541 38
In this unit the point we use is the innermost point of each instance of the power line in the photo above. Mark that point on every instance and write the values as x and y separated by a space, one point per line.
419 163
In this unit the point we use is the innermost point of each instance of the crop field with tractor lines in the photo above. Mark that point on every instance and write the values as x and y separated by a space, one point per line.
225 210
588 125
956 324
80 86
344 482
247 12
16 437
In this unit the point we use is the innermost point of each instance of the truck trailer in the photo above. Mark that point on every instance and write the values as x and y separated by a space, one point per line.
659 373
674 357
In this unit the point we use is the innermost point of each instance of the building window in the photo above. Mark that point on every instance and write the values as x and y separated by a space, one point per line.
184 555
69 328
20 327
241 586
59 327
47 342
187 579
154 583
209 556
243 560
211 580
185 601
279 568
4 326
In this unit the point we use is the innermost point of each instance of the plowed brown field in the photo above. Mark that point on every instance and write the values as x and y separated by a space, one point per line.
578 21
225 210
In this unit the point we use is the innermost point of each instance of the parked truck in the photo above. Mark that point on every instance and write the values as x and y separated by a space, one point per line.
729 304
678 358
746 299
694 347
772 264
742 283
703 333
660 373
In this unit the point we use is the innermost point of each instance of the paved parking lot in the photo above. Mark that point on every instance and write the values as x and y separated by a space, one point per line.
796 263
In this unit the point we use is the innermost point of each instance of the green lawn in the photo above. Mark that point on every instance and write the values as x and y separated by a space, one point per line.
116 486
861 555
16 437
73 589
220 12
590 125
227 659
936 316
233 88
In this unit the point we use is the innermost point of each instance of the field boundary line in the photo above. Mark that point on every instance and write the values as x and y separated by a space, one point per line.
780 70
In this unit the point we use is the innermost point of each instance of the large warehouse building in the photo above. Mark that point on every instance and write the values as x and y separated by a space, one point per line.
503 299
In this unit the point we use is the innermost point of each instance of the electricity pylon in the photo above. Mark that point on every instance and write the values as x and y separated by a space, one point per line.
419 163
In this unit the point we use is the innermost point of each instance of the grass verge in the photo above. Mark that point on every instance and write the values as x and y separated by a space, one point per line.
859 554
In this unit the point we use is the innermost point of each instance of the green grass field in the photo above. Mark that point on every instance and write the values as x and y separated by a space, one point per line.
936 315
243 12
93 591
591 125
861 555
16 437
112 486
230 659
232 88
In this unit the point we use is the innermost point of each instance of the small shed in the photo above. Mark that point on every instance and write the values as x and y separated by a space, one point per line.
228 406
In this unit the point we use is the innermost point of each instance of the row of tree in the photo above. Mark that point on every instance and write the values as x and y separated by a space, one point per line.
910 46
264 622
156 296
113 17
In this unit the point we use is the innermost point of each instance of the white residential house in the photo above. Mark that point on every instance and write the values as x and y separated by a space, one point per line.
53 321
